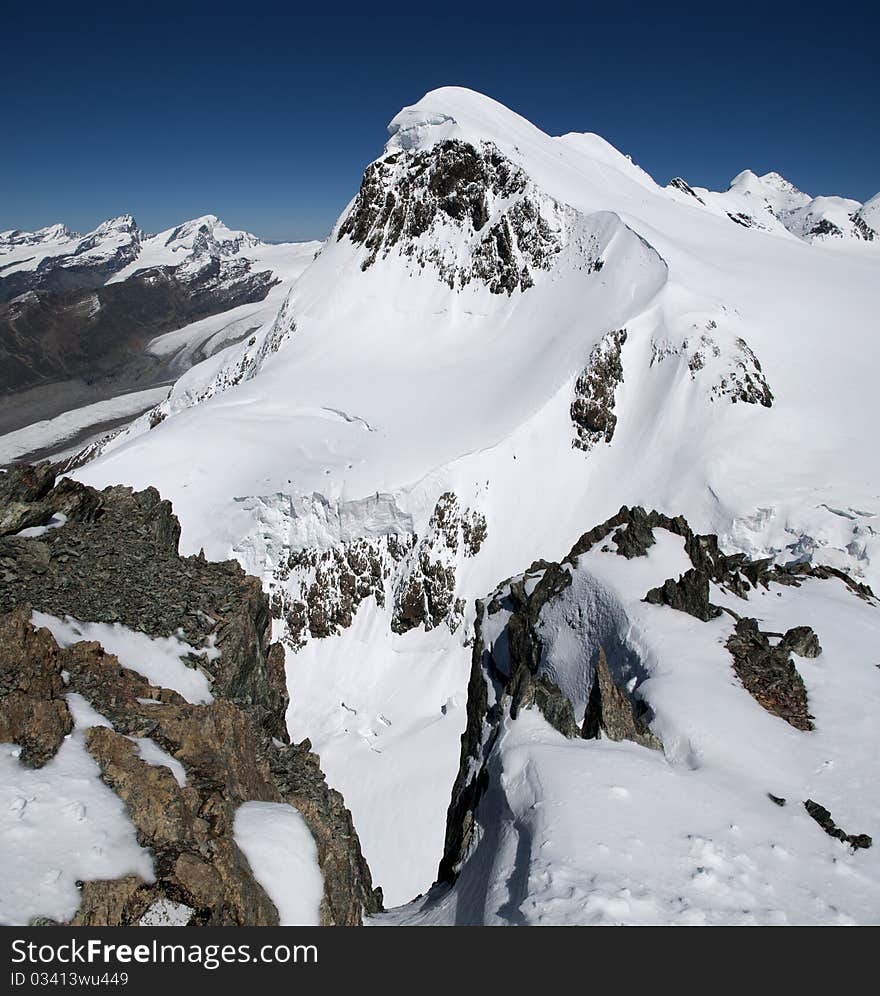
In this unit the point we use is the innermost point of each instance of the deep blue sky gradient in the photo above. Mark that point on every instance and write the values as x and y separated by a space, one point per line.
266 115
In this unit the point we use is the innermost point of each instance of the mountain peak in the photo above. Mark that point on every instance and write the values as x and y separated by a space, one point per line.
748 181
456 112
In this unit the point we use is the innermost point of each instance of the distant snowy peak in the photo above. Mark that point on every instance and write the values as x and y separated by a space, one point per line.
772 203
53 233
207 234
55 258
193 245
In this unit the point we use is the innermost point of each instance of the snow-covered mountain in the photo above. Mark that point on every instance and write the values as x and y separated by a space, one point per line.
86 319
55 257
772 203
507 337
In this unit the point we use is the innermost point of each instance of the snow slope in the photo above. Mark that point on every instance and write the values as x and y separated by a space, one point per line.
436 345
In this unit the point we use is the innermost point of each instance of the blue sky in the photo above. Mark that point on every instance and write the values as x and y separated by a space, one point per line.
266 116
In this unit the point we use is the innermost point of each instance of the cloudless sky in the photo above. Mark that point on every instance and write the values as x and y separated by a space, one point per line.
266 115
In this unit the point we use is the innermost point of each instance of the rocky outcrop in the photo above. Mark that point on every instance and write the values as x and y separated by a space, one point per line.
821 815
424 591
801 640
476 745
765 670
723 361
592 410
118 562
115 560
769 675
325 588
317 590
614 713
745 380
33 715
690 593
509 672
409 195
679 184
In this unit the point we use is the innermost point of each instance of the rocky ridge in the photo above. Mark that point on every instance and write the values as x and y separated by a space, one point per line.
113 558
511 668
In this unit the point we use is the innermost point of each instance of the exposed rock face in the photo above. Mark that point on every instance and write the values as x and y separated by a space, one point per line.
525 684
679 184
115 560
29 499
510 673
690 593
861 228
409 195
726 362
612 711
821 815
325 588
34 715
768 674
745 381
121 564
476 746
317 591
801 640
424 593
592 410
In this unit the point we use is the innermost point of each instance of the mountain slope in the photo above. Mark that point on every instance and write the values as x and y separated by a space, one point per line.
508 335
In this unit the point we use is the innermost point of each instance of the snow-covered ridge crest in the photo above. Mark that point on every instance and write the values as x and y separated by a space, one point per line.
452 112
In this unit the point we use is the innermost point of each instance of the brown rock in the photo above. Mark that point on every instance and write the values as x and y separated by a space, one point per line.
34 714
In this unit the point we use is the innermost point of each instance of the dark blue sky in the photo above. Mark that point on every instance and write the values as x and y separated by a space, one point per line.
267 115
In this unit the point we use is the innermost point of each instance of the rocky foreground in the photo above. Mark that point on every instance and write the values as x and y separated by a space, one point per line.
111 556
547 644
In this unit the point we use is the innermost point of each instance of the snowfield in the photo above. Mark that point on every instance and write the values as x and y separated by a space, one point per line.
466 337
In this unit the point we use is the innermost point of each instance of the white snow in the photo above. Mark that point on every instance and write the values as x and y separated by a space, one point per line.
281 852
385 714
61 824
152 753
32 532
166 913
158 659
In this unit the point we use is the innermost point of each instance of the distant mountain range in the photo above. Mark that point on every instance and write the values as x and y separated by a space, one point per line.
80 314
